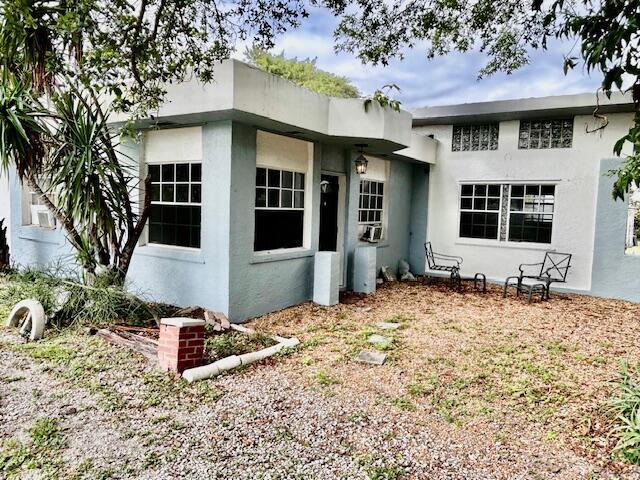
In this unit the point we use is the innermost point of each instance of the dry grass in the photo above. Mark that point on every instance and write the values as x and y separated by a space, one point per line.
499 367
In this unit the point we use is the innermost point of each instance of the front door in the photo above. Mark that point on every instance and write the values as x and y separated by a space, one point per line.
329 199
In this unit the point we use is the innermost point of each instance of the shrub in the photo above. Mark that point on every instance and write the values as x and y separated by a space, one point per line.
627 408
67 302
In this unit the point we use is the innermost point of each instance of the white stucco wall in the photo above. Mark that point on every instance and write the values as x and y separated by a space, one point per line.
575 172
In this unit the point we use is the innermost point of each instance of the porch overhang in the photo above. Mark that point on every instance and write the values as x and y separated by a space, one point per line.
246 94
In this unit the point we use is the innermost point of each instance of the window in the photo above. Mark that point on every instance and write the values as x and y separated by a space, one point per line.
631 244
531 213
536 134
371 202
517 213
279 211
475 137
38 214
176 190
479 211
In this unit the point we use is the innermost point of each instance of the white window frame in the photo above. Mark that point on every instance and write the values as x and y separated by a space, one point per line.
369 209
473 197
32 210
509 211
175 183
293 189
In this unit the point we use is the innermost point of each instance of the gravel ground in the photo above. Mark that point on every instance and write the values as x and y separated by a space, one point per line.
315 414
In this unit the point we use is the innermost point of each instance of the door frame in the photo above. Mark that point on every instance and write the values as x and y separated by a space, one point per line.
342 222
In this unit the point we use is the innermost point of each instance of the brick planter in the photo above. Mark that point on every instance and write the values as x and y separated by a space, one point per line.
181 344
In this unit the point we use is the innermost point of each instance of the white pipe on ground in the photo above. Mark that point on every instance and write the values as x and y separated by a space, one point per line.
216 368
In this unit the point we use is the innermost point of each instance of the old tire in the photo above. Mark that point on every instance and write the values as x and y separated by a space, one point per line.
38 317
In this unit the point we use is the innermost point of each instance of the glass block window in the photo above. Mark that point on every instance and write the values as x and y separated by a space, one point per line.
279 209
531 213
536 134
475 137
371 202
176 191
480 211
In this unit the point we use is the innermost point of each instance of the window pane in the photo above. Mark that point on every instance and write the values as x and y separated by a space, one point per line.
169 214
155 193
299 180
154 171
379 203
196 172
168 173
155 233
196 215
195 237
182 193
167 193
261 197
298 199
156 214
274 197
532 189
493 204
287 198
365 186
380 188
467 190
494 190
274 178
480 190
261 177
466 203
479 204
548 189
378 216
517 204
517 190
196 193
276 229
182 172
287 179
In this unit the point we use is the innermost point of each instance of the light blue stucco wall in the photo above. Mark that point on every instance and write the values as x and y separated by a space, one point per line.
261 283
196 277
418 219
225 274
614 274
166 274
32 245
406 190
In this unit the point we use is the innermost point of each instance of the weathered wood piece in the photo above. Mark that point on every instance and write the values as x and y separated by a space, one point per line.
143 345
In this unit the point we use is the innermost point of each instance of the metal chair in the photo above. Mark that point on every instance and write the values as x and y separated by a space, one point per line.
553 269
440 262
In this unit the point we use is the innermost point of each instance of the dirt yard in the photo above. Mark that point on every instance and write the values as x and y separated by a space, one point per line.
474 387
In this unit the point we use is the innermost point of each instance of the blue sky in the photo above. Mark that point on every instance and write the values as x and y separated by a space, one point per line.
442 81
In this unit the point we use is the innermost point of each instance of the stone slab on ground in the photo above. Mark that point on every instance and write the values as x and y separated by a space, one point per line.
388 325
372 358
377 339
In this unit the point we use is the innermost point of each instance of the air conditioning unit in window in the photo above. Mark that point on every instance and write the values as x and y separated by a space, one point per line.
372 233
42 217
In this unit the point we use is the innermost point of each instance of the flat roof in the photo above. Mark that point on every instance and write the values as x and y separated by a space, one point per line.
522 108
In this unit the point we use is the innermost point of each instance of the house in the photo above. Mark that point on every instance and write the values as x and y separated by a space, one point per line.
252 176
515 178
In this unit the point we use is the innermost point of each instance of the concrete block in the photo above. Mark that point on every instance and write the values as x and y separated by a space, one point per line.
364 266
326 278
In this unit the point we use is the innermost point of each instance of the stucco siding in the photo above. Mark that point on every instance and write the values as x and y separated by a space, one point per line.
262 282
192 276
575 171
615 274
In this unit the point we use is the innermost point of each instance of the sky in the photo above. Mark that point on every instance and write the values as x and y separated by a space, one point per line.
442 81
